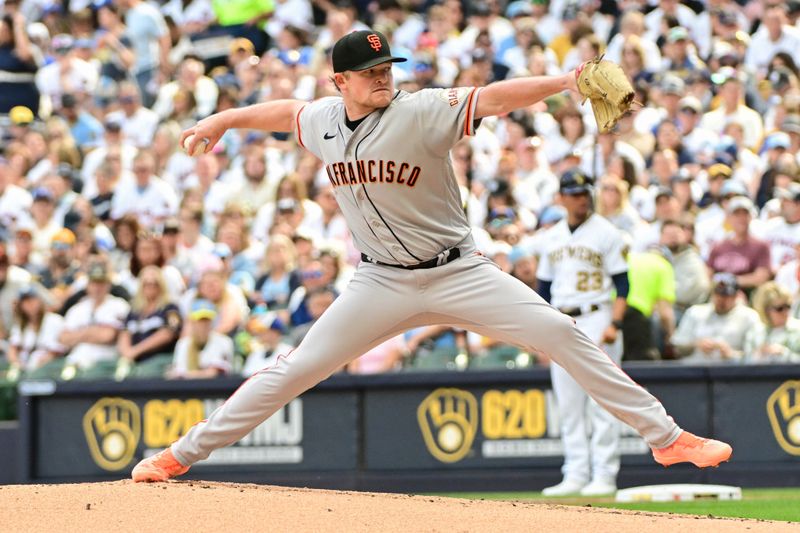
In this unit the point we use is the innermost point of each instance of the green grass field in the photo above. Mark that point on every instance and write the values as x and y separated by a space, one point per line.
763 504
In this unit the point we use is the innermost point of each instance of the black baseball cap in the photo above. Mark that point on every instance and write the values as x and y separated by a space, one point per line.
361 50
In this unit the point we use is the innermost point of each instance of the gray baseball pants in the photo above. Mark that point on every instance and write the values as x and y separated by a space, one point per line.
382 301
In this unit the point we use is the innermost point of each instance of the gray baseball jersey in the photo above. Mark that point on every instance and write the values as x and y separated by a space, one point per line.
394 168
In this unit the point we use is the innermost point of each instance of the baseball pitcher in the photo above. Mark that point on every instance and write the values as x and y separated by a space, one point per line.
386 154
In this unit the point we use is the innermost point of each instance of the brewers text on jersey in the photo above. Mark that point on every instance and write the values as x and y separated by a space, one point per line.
578 253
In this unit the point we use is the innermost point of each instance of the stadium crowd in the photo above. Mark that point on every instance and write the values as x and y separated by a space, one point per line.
122 256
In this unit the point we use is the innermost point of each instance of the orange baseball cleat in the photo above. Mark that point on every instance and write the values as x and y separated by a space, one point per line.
159 467
693 449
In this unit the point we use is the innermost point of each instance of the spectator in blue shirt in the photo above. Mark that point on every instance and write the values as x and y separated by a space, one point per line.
86 130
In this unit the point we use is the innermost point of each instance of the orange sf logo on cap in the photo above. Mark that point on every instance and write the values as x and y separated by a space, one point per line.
374 42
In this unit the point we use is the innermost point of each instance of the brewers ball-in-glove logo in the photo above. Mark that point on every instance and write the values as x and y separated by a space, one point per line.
112 427
783 409
448 419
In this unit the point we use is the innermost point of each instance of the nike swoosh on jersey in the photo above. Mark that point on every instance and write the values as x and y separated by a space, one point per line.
325 136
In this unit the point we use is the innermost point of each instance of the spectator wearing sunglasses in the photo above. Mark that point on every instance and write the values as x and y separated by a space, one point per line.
84 127
146 342
42 221
138 123
741 254
777 338
695 138
203 352
213 285
312 277
147 196
316 302
714 332
62 268
67 73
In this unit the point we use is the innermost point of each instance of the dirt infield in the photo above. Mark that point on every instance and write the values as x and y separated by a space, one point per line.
197 506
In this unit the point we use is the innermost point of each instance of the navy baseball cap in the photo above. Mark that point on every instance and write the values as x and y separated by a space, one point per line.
575 182
361 50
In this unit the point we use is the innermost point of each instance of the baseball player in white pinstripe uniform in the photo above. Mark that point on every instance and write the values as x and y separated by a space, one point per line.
583 259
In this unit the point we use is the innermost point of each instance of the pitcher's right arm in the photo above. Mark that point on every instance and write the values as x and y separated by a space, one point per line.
277 115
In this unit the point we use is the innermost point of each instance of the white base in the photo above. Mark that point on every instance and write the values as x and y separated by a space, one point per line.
679 493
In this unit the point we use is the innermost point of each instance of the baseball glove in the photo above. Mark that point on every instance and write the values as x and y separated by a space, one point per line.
607 87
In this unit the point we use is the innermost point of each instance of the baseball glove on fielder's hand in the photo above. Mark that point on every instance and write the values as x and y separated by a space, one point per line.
607 87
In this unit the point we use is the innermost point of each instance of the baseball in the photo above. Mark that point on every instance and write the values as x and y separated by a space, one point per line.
199 149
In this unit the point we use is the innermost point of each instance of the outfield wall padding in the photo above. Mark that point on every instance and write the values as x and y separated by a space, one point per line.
487 430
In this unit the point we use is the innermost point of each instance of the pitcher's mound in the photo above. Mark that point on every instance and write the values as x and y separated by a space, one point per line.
198 506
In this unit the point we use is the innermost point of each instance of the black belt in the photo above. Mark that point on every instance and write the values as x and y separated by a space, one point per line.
577 311
442 259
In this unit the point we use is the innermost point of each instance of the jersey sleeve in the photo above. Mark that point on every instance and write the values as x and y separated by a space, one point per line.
616 259
172 318
447 115
313 117
544 271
